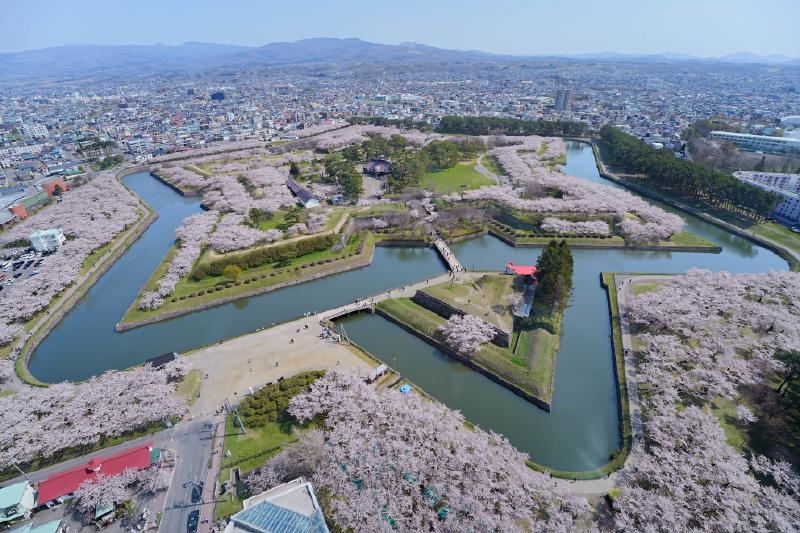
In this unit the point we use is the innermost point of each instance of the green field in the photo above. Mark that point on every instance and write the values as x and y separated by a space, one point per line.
458 178
488 298
527 364
684 238
248 451
780 234
251 279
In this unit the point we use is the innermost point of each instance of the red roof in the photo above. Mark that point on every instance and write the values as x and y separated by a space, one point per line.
66 482
521 270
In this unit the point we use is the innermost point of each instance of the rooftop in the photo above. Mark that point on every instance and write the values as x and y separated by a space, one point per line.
287 508
67 481
12 494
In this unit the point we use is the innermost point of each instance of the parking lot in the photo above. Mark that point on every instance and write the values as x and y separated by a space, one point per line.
18 266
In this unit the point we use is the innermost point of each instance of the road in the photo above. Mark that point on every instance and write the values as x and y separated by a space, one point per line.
191 444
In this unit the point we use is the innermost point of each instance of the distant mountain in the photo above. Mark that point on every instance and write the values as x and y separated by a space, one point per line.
83 60
747 57
78 61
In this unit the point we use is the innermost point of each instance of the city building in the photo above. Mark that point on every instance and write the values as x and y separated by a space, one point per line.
287 508
218 96
304 196
562 100
788 209
66 482
47 240
35 131
759 143
17 502
377 167
54 526
792 121
779 180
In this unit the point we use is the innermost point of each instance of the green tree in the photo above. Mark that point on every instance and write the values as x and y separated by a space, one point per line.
353 153
791 362
554 274
294 170
57 190
232 272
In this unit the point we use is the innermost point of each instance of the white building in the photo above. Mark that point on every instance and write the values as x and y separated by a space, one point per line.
792 121
788 210
35 131
286 508
779 180
759 143
47 240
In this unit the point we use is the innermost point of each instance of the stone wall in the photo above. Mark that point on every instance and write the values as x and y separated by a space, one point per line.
445 310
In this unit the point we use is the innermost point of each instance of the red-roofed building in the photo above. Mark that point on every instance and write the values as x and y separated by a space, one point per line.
68 481
50 186
520 270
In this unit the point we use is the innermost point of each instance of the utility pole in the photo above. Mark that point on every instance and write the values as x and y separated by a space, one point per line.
21 471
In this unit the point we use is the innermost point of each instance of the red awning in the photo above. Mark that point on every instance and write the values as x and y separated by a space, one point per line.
521 270
67 481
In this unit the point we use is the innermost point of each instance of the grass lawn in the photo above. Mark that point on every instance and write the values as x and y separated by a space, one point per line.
460 177
251 279
491 164
526 367
780 234
249 452
684 238
641 288
379 209
277 219
190 386
725 410
488 298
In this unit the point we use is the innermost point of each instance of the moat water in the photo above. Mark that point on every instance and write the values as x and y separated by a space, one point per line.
580 432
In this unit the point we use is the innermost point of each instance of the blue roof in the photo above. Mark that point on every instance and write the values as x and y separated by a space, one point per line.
12 494
49 527
271 518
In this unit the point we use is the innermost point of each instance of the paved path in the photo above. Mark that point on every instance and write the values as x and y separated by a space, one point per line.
624 288
485 171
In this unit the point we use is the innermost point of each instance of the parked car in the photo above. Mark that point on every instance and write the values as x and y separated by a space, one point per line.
191 523
796 229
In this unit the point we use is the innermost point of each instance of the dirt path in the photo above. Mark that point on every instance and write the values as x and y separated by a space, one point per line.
252 360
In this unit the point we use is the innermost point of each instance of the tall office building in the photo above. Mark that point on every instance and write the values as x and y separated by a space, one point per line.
562 100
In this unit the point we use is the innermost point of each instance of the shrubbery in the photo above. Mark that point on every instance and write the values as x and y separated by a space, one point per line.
269 403
261 256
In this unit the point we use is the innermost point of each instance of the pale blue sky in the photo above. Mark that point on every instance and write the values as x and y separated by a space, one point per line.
697 27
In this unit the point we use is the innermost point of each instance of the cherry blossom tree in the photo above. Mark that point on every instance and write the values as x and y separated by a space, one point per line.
42 422
89 216
232 234
466 333
400 462
704 336
581 228
105 491
192 236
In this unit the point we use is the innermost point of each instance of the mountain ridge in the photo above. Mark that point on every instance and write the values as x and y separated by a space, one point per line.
93 59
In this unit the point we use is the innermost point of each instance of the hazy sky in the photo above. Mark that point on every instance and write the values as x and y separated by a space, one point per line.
697 27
